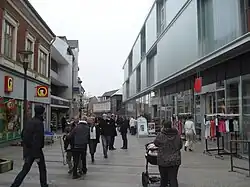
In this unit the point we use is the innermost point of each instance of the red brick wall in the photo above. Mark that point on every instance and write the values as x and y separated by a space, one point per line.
24 27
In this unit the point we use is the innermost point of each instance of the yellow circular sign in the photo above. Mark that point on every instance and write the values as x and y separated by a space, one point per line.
42 91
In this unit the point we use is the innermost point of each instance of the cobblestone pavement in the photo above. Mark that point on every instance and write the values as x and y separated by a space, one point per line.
123 168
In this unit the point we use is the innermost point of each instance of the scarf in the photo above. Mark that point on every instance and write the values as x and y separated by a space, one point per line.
93 133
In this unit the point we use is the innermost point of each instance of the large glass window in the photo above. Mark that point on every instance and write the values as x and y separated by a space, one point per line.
232 98
221 108
8 39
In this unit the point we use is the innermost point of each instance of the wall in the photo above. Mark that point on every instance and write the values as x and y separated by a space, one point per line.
151 29
181 38
18 89
75 68
65 76
136 53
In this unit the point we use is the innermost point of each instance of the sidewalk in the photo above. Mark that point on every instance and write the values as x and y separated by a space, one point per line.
123 168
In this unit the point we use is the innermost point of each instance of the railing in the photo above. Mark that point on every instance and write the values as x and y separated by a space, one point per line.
232 166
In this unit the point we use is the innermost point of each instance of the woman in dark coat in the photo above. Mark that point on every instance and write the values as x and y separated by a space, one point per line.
94 137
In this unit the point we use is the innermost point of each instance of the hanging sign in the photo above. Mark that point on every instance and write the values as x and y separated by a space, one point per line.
42 91
8 84
198 85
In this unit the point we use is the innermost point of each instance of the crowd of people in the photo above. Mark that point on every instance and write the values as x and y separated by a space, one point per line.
88 131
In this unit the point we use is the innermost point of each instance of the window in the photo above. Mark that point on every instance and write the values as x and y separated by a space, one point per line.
143 42
29 46
150 70
43 62
9 33
127 89
130 63
161 16
8 39
138 79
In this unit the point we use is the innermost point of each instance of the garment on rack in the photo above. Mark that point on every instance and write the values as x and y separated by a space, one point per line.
227 126
236 125
222 126
212 129
207 129
231 125
216 122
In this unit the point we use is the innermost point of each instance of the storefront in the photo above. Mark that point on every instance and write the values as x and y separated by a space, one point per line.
11 104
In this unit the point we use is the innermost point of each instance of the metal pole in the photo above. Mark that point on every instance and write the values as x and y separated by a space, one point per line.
25 98
248 159
231 156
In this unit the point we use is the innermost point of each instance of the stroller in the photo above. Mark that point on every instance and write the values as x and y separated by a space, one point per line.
151 157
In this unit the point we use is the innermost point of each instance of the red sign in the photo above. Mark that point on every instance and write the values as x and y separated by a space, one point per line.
8 84
42 91
198 85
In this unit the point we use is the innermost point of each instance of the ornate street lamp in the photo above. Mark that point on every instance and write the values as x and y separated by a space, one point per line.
25 60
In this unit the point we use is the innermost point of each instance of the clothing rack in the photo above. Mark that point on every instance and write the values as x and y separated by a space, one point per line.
220 150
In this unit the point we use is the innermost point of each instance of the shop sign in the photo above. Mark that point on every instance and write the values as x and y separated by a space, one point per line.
198 85
142 126
42 91
8 84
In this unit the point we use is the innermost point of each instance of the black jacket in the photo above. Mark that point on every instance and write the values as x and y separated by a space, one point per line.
80 135
33 137
123 127
113 127
105 127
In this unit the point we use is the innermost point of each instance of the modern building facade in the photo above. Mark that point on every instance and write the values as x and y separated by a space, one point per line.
78 90
116 103
22 29
181 41
62 59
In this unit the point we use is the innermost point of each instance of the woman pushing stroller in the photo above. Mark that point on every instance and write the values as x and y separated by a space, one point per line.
169 144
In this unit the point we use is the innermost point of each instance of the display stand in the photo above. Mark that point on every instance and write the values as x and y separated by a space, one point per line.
220 150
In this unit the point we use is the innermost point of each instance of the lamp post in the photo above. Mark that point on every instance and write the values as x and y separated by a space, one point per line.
24 59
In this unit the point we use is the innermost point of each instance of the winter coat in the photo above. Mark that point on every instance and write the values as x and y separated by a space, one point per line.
113 127
80 135
105 126
124 127
98 131
169 145
33 135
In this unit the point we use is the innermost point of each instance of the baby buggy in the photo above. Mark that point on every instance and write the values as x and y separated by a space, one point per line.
151 158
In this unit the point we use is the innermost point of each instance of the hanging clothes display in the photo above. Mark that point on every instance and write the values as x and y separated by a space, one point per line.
207 129
212 129
222 126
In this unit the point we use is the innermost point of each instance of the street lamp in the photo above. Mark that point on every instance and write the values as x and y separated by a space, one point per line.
25 60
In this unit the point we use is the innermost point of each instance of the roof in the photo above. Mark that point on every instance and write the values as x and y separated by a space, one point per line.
39 17
109 93
73 43
119 92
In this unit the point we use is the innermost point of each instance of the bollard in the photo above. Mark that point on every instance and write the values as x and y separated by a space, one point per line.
231 157
248 159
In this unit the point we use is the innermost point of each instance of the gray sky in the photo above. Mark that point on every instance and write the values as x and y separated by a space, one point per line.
106 30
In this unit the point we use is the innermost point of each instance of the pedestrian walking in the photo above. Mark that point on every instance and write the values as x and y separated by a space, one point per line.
80 135
106 132
190 134
33 143
94 137
124 130
132 123
169 144
113 132
63 123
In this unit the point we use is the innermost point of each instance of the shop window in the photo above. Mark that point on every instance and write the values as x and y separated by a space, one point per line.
10 119
232 99
210 103
221 108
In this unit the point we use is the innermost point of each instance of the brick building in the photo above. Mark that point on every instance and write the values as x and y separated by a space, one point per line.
22 29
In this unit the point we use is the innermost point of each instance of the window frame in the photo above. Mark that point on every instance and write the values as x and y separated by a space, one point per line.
29 37
45 51
8 18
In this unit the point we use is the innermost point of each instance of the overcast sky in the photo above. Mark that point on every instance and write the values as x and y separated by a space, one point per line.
106 30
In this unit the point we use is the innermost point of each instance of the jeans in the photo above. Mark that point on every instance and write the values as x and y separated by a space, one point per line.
79 154
112 142
169 176
124 140
105 144
28 161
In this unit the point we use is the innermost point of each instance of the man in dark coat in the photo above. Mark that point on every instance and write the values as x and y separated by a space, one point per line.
124 130
63 123
169 144
80 135
106 133
113 132
33 143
